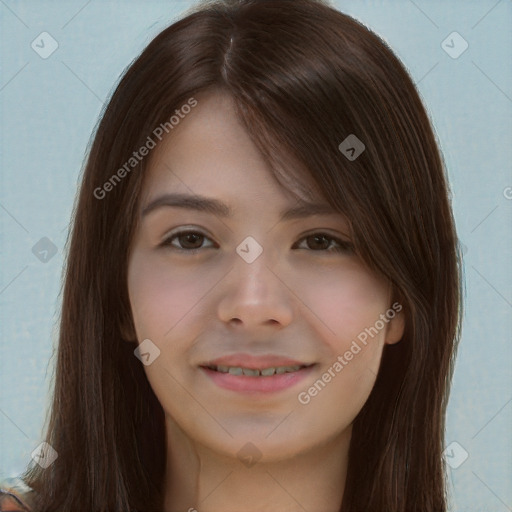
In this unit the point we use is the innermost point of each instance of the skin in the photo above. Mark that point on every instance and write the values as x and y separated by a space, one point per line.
294 300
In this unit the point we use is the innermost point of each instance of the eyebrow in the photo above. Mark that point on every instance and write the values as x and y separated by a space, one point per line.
218 208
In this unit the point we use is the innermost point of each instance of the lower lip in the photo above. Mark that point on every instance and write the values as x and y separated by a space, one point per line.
246 384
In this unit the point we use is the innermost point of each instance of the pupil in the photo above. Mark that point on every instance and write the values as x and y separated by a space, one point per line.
190 237
316 240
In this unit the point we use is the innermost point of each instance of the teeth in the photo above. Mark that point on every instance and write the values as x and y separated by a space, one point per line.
251 373
265 372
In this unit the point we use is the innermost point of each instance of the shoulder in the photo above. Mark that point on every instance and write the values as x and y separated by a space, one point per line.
14 496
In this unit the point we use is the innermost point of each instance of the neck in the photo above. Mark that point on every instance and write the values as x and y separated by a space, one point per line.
200 479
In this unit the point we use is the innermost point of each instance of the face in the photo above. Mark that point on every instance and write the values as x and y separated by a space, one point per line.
245 286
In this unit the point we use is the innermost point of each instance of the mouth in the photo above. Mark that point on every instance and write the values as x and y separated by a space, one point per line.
256 372
255 381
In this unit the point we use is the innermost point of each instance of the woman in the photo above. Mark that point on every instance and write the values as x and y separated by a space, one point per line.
262 293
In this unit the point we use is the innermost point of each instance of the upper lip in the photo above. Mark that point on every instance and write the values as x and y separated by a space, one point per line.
254 362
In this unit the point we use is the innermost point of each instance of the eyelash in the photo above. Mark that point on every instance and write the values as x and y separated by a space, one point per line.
344 247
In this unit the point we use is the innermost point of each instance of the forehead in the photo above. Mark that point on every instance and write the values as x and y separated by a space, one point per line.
211 152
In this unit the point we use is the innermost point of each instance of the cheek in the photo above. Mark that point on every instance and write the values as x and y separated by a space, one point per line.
162 296
348 303
343 302
338 394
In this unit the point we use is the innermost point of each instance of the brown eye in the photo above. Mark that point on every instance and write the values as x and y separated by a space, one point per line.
187 241
191 240
324 243
318 242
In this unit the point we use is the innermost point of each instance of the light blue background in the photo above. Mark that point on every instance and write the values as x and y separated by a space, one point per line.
49 108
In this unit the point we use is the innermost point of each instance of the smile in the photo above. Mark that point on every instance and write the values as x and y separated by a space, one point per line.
254 381
252 372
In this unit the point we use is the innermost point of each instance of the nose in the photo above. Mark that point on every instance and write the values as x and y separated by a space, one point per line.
255 295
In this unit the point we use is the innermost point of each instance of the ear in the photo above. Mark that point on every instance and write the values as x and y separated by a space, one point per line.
127 331
395 328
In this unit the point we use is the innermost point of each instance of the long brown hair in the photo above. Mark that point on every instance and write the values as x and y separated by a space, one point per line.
303 77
